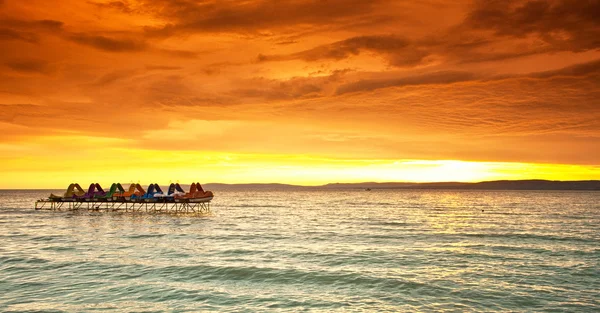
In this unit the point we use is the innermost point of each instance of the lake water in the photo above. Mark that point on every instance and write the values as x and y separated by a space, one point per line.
382 250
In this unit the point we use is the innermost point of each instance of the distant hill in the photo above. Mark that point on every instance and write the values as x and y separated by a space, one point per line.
237 187
535 184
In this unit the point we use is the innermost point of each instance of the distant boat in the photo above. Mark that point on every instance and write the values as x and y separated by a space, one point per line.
368 189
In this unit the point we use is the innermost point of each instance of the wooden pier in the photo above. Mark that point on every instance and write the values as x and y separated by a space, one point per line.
124 206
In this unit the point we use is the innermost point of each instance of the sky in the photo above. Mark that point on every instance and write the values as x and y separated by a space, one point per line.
303 92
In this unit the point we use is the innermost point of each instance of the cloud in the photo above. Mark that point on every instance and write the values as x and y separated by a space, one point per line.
581 69
9 112
179 53
29 66
174 91
9 34
491 31
49 24
121 45
398 50
352 46
451 77
115 5
38 25
253 16
114 76
86 119
282 91
286 42
27 30
518 28
108 44
563 24
163 67
515 118
290 89
443 77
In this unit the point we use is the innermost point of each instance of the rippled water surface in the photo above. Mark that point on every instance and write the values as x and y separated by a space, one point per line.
309 251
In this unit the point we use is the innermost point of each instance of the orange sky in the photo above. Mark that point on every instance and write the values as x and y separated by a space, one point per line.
303 91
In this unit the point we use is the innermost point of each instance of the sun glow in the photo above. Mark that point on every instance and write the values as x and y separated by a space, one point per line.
120 164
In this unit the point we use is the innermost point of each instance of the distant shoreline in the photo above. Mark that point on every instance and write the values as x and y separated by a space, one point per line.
531 184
